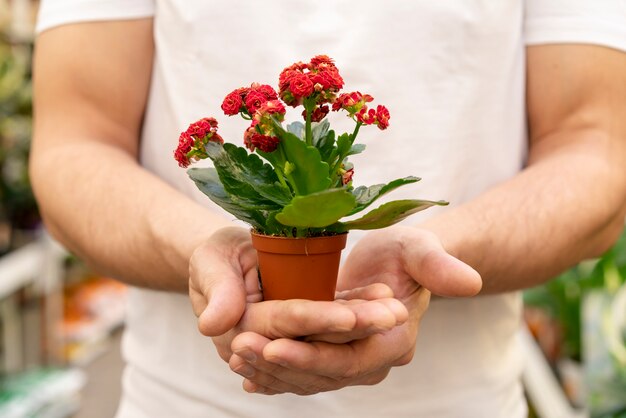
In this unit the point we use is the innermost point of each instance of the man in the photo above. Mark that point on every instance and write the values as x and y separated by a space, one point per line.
513 111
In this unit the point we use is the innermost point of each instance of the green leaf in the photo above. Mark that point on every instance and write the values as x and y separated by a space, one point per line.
389 214
273 227
319 131
209 183
310 174
317 210
365 196
246 176
326 145
296 128
344 143
356 149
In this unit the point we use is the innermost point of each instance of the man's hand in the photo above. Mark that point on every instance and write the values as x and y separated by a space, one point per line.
223 287
412 262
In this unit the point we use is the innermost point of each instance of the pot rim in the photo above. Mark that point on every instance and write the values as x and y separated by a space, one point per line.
300 245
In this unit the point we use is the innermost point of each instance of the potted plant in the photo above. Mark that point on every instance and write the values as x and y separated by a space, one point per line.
293 184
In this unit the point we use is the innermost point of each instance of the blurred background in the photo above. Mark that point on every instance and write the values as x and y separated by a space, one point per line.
60 323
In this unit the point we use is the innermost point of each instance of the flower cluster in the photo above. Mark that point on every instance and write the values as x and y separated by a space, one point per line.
246 100
355 104
318 81
191 142
296 179
314 85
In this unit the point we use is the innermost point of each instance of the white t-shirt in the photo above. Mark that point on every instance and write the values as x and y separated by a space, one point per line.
452 75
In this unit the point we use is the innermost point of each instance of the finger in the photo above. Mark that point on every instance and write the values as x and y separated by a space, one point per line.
436 270
342 361
276 386
370 292
297 317
372 317
217 274
260 381
252 387
248 362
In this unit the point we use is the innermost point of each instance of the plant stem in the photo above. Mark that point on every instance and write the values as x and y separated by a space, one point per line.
356 132
288 176
308 136
281 178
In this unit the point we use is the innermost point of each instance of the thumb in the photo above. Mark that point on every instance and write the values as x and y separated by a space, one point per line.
226 303
436 270
217 288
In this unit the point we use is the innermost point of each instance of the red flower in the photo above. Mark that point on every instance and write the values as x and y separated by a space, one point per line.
300 85
232 103
271 107
333 80
191 142
265 143
286 73
265 90
351 102
318 114
202 128
185 142
247 136
262 117
253 140
366 117
254 100
382 117
346 177
323 61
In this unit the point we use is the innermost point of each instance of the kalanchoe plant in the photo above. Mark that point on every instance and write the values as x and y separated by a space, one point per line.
296 180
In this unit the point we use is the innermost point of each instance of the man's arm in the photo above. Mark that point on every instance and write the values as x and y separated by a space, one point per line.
569 203
91 85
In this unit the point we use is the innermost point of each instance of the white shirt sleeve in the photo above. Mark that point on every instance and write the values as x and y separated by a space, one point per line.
59 12
600 22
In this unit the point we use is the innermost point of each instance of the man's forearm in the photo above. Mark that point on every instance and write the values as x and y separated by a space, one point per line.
568 205
83 198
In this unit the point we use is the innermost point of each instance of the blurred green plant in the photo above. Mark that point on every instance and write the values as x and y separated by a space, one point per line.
588 303
562 296
17 203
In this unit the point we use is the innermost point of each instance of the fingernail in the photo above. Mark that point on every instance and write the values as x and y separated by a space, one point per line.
277 360
247 355
245 370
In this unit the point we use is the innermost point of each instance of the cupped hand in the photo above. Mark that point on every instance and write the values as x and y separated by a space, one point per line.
224 293
412 262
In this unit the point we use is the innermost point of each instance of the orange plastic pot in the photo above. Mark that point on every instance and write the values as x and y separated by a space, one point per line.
298 268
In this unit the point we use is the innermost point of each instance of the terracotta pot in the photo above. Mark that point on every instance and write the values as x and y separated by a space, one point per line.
298 268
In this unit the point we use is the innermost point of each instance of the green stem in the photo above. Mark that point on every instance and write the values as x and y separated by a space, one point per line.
308 130
289 177
356 132
281 178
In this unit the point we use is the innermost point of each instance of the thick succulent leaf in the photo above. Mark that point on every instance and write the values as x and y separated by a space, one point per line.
388 214
365 196
317 210
296 128
344 143
273 227
311 173
209 183
246 176
356 149
326 145
319 131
